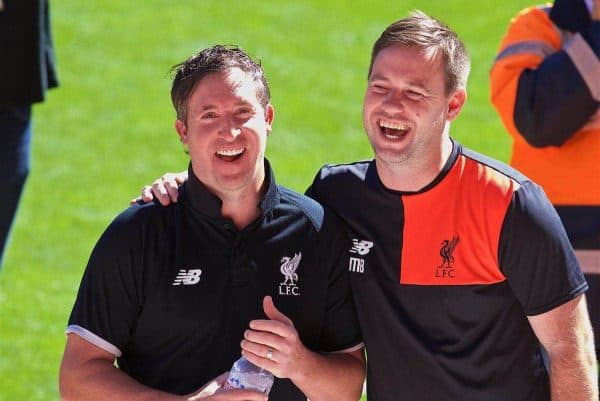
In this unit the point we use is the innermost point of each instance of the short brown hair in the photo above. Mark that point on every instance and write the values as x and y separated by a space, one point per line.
433 36
217 58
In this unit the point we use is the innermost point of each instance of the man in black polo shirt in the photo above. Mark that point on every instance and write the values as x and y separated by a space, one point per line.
171 293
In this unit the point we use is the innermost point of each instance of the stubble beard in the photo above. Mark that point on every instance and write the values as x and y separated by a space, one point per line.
248 184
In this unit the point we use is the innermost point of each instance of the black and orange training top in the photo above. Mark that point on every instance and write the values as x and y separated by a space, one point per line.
444 278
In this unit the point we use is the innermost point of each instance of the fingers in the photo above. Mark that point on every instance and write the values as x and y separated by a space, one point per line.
135 201
273 333
273 336
260 346
273 343
276 354
171 183
221 379
240 395
272 312
158 190
181 177
146 194
211 387
264 363
214 391
165 189
231 395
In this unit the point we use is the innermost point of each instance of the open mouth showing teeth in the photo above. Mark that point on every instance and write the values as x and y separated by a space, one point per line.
230 154
393 130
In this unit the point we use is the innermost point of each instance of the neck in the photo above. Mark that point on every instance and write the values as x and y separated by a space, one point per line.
242 206
415 174
242 212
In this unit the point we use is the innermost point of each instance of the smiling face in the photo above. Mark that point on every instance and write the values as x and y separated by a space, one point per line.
226 133
406 108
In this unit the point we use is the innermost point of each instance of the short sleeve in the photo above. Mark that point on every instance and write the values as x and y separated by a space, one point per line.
535 254
109 297
341 330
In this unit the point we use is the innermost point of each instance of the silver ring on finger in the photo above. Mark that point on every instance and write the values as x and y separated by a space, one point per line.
269 354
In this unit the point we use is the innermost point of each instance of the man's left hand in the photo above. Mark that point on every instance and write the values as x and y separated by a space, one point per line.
274 344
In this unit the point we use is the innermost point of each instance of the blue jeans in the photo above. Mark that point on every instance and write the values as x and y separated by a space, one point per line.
15 162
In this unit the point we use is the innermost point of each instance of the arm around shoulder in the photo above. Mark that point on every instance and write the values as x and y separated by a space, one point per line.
165 189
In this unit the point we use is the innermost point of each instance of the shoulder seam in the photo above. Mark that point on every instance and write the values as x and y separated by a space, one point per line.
301 207
519 180
367 161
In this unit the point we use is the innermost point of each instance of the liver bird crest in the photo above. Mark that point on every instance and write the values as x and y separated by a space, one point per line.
447 250
288 268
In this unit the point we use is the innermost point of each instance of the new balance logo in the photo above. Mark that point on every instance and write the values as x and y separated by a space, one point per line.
361 247
188 277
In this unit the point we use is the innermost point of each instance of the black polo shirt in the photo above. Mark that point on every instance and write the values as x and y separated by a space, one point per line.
444 278
170 290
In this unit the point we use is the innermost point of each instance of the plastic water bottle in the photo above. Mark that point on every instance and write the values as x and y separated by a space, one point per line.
246 375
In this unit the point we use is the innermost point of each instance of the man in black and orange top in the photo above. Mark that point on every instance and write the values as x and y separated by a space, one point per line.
546 87
460 267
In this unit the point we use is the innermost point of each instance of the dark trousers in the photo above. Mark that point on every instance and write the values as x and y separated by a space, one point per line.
15 162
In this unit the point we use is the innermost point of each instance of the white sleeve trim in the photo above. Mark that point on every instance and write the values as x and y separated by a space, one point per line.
345 351
94 339
586 62
528 47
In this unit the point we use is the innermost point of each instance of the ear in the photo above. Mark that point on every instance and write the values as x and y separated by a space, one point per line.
456 103
269 116
181 130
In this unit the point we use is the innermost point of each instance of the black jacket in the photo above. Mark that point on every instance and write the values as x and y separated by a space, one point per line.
27 62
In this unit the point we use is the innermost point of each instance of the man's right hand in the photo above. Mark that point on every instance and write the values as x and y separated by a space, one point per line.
165 189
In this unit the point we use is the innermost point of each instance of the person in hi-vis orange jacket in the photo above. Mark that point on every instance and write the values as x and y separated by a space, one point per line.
545 84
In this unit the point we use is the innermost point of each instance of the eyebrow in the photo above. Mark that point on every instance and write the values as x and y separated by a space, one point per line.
238 104
377 77
418 83
208 107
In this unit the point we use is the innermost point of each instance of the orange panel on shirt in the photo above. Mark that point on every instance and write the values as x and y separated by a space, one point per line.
451 231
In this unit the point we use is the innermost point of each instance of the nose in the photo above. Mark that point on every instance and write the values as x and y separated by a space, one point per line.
230 131
394 100
235 132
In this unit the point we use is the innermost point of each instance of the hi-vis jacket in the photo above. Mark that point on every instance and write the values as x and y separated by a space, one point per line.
546 87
